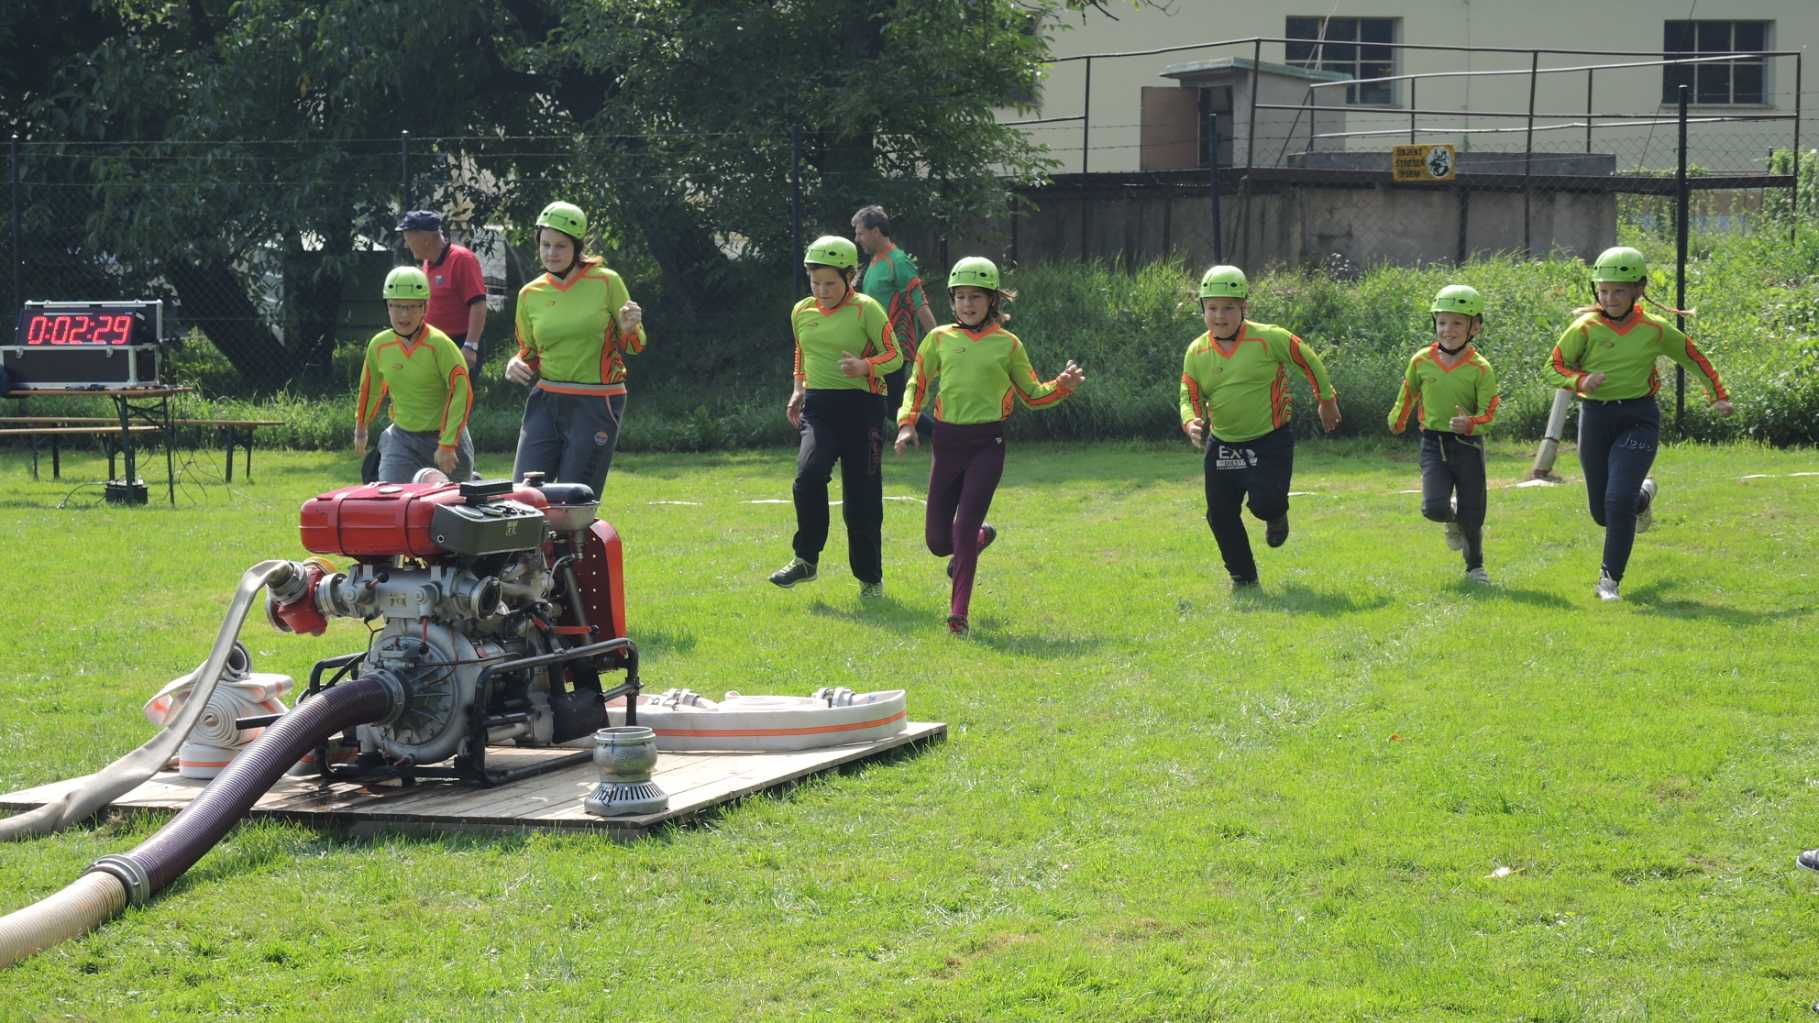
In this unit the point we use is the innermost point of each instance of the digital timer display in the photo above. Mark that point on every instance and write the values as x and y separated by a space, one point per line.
86 325
78 329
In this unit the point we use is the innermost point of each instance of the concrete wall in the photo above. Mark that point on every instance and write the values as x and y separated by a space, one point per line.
1115 113
1339 227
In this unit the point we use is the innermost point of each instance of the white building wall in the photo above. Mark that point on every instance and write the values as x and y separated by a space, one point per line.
1112 136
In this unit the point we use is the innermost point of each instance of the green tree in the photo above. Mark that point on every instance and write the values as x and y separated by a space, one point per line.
256 140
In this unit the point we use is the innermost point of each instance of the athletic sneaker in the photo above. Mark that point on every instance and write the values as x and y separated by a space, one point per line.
986 535
797 571
956 625
1275 532
1808 859
1607 587
872 591
1478 575
1645 514
1241 585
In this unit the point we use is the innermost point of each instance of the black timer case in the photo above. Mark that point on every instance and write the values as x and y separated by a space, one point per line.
81 366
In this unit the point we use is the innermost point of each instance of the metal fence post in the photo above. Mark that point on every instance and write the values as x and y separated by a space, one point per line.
1528 156
18 255
1411 110
1683 197
1250 125
404 172
1212 130
1588 110
1793 195
795 202
1086 136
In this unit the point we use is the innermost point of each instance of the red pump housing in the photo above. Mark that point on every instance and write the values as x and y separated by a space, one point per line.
387 520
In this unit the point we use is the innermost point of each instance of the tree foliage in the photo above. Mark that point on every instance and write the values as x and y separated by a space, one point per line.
246 142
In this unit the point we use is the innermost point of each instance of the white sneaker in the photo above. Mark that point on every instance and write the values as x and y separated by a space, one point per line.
1607 587
1478 575
1645 515
1455 536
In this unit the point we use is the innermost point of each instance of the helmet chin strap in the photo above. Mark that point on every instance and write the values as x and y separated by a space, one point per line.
1450 351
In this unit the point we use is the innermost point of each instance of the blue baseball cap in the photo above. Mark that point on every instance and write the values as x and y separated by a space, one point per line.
421 220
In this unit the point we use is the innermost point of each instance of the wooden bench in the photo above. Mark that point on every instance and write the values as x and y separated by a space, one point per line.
55 433
235 433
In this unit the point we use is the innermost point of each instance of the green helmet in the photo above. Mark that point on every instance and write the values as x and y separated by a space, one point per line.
1224 282
406 284
1458 298
832 250
974 272
1620 265
565 217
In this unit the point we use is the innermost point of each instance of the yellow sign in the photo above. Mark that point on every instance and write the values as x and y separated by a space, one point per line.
1423 163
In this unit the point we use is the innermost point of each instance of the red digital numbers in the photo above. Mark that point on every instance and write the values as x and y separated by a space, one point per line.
79 329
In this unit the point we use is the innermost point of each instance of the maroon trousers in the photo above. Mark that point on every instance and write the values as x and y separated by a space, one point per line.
968 462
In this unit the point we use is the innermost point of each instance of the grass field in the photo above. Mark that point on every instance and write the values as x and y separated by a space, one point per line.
1369 792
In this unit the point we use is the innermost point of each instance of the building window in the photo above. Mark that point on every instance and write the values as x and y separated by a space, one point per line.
1719 82
1354 47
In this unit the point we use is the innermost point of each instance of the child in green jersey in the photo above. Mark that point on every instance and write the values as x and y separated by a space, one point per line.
1607 356
979 366
575 323
844 349
1451 392
1234 403
423 373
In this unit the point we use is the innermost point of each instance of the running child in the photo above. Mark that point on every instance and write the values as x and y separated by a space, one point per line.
1451 393
838 407
1607 356
1235 405
426 377
978 366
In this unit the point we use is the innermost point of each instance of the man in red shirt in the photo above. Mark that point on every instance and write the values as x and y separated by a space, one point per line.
457 291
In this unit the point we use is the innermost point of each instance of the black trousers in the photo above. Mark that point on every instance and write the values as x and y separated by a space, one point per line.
1259 469
569 437
1617 443
848 427
1454 465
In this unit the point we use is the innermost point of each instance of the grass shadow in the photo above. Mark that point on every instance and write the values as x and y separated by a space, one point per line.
1495 591
1653 596
886 610
1296 597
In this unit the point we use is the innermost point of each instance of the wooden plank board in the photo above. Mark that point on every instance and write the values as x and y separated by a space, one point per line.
695 782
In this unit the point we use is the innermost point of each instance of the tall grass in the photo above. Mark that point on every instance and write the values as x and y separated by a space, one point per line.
721 383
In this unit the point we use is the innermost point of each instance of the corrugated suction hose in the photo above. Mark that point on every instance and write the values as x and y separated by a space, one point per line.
114 881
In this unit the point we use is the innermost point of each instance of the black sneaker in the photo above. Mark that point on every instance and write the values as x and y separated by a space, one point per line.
1241 585
797 571
956 625
1808 859
1275 533
986 535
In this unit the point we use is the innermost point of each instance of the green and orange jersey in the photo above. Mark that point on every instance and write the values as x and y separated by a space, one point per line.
978 371
1432 391
891 279
568 331
1625 351
1243 393
426 378
856 325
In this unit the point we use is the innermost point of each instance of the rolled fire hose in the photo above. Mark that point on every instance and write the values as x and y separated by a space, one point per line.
130 771
114 881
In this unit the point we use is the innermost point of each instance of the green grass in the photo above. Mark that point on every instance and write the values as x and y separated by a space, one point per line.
1157 802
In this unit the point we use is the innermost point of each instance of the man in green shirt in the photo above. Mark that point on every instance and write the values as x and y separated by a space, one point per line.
892 280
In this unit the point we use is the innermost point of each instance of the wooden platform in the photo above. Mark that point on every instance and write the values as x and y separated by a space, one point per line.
695 782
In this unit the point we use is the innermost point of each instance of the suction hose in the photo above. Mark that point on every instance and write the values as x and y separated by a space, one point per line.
130 771
114 881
